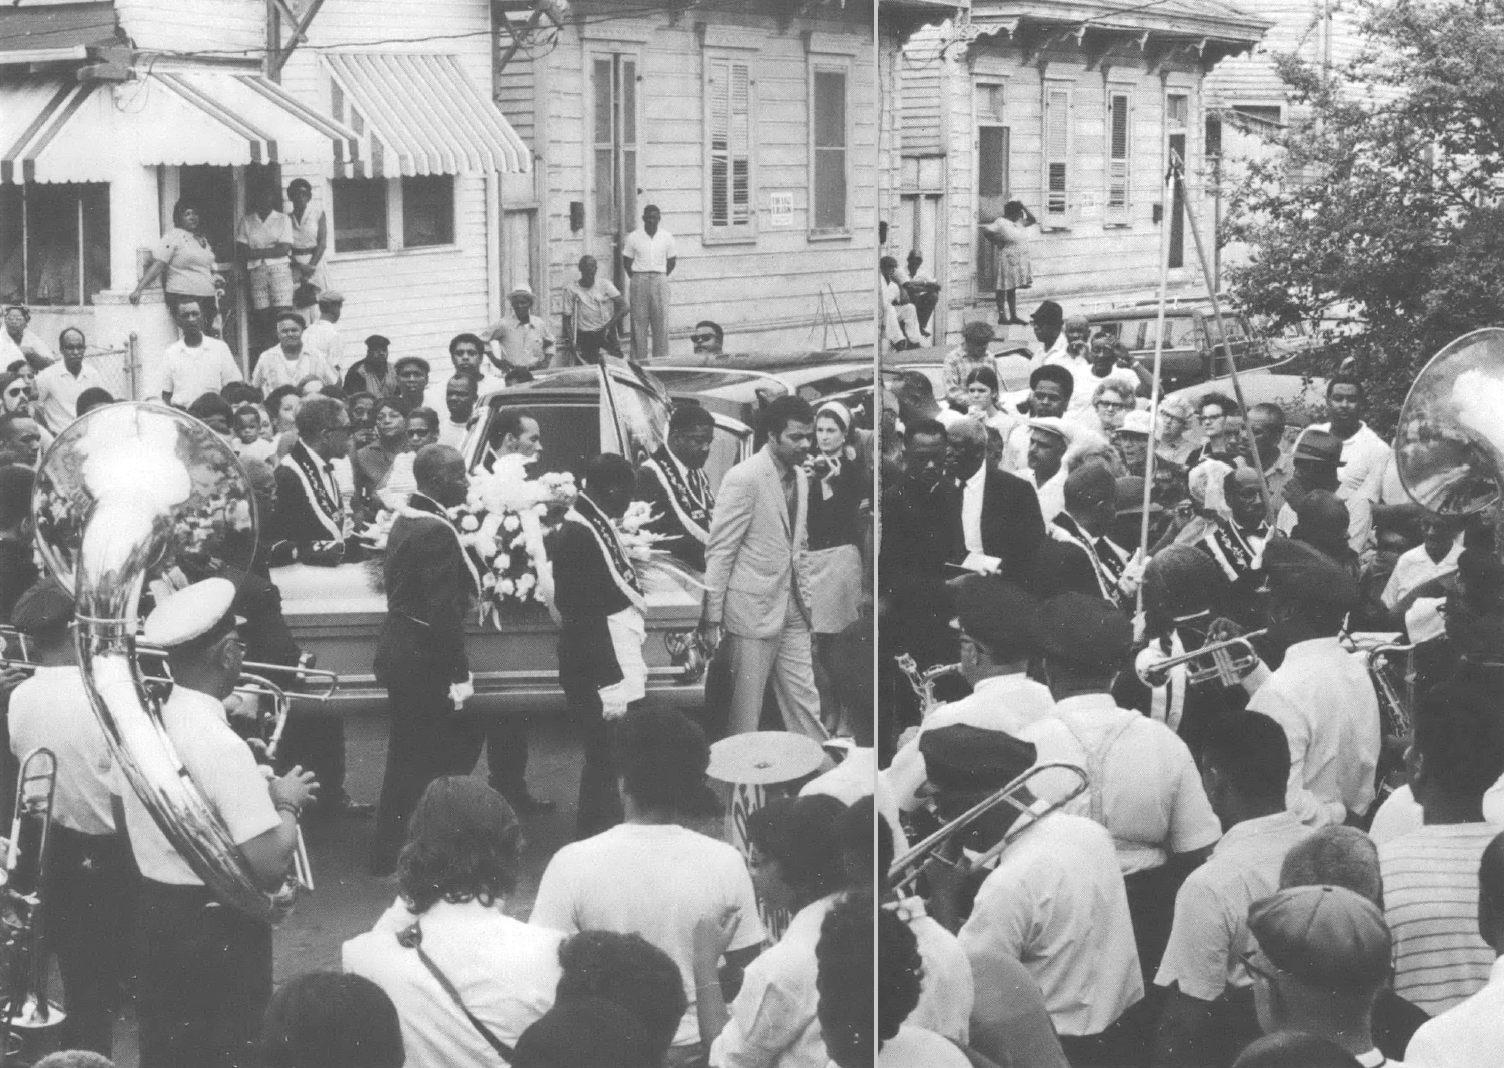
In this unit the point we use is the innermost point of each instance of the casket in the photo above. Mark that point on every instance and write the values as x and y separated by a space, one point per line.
335 613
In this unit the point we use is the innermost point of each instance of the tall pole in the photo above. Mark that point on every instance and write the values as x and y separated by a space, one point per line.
1155 390
1177 175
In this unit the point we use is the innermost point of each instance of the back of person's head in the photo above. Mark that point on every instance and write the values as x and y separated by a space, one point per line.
16 483
781 411
586 1033
1335 856
609 471
241 393
331 1020
204 407
1295 1049
97 397
1251 750
317 414
632 972
462 845
661 758
900 970
802 836
844 960
1491 893
914 387
1459 734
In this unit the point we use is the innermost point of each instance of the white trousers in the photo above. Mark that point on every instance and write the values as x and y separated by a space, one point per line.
788 659
649 293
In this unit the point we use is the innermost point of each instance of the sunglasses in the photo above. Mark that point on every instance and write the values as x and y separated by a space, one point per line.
702 338
20 392
417 433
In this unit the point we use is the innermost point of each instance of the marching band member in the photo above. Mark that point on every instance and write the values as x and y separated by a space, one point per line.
600 598
673 481
1145 788
1090 510
1055 902
1236 542
1321 694
206 969
90 889
420 658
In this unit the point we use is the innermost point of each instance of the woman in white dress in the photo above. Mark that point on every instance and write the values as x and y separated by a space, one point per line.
310 244
1010 233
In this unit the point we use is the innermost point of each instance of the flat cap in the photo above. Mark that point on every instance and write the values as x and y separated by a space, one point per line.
1049 313
1051 424
331 296
377 341
1325 936
42 608
1136 422
294 316
1084 631
1301 570
1130 496
199 610
966 759
997 614
521 289
1319 445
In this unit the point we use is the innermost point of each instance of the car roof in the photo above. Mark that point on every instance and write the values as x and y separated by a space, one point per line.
774 363
737 399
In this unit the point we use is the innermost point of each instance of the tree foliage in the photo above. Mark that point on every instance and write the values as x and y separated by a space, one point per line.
1380 203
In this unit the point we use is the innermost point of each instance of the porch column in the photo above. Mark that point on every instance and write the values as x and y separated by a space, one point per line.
135 223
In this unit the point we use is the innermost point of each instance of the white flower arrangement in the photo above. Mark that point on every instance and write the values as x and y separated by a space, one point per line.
635 539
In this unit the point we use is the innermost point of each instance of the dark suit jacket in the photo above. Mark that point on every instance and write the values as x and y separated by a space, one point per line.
683 545
295 521
428 593
585 594
1012 524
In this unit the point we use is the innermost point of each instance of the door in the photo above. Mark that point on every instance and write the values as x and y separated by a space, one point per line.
1177 119
614 177
212 189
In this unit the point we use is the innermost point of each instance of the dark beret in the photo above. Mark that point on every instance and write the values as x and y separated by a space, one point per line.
966 759
1298 570
42 608
997 613
377 341
1084 631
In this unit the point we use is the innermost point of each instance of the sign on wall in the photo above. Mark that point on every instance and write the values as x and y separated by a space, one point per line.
780 209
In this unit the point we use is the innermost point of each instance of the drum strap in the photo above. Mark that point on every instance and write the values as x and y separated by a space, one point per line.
412 938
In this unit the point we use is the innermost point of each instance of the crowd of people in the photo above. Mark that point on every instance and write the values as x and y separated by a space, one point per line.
1284 836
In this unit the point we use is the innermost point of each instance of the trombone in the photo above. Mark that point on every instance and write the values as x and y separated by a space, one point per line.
259 686
1228 662
28 1010
905 871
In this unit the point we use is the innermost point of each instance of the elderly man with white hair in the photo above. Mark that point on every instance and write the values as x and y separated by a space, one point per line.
519 341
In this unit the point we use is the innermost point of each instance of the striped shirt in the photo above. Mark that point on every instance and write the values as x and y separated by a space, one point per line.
1431 904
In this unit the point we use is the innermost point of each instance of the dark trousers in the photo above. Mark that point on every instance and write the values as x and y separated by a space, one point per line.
506 755
91 901
1117 1047
428 739
206 977
588 345
316 740
600 802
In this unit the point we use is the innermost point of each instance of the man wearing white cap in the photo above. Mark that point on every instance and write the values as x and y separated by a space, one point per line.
649 257
1049 439
206 968
323 333
518 341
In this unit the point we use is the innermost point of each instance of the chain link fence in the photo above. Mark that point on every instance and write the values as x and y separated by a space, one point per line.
120 369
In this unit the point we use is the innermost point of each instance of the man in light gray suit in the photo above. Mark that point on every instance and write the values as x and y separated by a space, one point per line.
756 566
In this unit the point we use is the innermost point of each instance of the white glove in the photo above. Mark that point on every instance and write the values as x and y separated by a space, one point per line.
460 692
613 707
1133 573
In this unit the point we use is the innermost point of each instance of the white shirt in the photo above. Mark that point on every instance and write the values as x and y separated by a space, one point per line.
1324 699
255 232
1056 903
655 881
1007 703
1051 494
1365 456
12 350
57 392
915 1047
1400 813
1084 382
324 336
1468 1035
453 434
506 972
1412 570
773 1019
946 991
649 254
853 779
273 369
1145 788
51 710
221 765
1210 933
1054 354
190 371
260 449
971 509
1016 451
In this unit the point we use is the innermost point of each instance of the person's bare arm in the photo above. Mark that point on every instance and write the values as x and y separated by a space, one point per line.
269 854
153 272
669 267
626 265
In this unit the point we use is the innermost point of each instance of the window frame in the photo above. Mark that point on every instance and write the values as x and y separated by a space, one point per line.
395 218
1120 215
453 211
730 233
1051 219
828 64
81 225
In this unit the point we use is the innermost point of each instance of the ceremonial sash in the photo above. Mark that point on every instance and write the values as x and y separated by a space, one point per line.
1232 550
326 504
1108 570
623 573
421 507
690 506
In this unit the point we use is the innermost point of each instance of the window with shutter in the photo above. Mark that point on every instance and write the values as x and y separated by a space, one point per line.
1117 157
1057 108
729 149
828 122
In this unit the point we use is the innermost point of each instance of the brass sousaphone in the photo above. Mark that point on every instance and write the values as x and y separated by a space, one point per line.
124 494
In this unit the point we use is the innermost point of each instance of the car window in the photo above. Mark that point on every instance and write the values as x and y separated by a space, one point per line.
725 453
570 433
1175 333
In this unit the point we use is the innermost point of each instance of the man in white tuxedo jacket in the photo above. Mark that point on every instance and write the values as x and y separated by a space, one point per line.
756 567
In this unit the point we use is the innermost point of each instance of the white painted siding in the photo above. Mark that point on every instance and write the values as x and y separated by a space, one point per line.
765 291
219 26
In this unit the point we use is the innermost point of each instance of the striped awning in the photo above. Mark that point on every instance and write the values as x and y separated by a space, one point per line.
420 114
55 129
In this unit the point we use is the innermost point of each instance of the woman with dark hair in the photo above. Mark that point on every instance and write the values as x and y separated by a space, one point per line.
630 971
498 974
282 411
1009 232
184 260
796 864
373 464
987 405
329 1020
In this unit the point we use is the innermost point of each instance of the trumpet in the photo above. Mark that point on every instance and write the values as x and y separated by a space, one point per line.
905 871
1228 662
923 682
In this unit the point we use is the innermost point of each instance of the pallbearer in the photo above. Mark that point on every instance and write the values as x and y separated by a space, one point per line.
206 968
673 481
